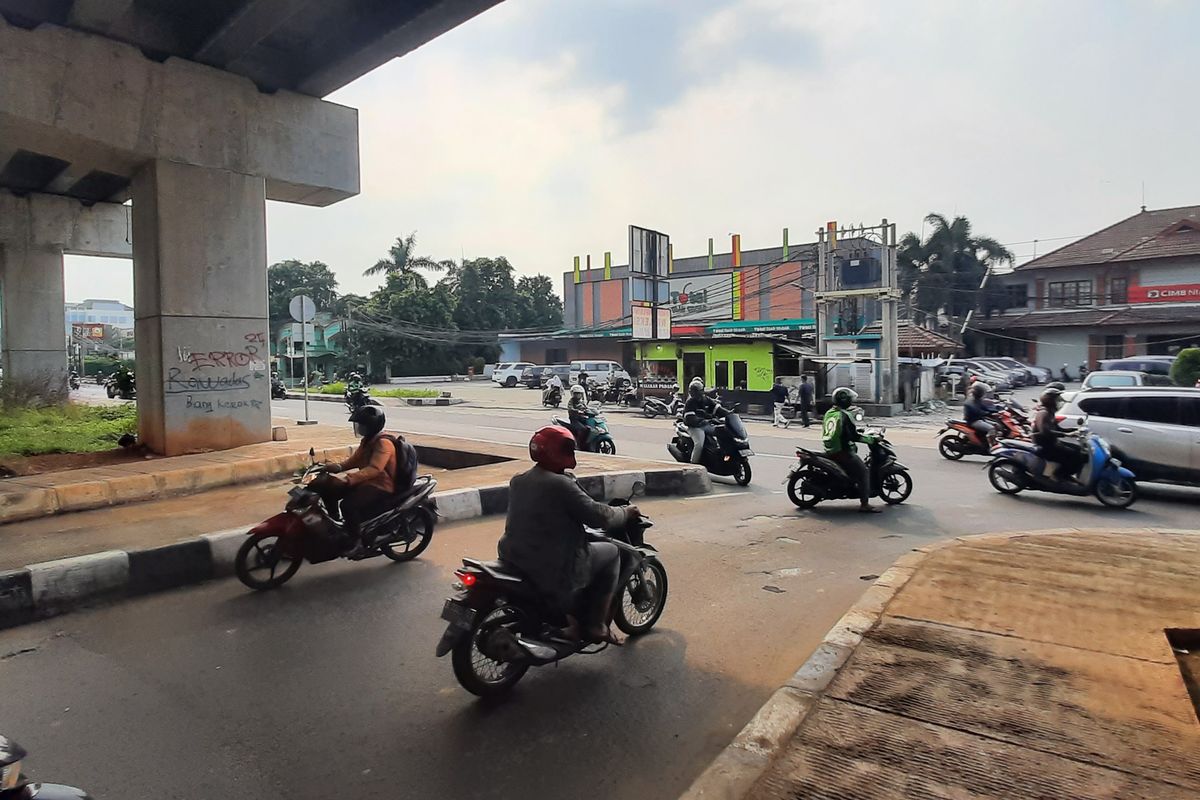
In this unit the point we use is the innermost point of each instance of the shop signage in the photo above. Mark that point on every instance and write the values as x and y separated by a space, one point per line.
764 326
1177 293
704 297
85 331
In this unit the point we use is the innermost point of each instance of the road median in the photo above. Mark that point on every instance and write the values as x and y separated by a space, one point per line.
1002 665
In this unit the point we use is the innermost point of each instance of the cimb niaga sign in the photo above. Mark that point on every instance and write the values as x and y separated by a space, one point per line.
1178 293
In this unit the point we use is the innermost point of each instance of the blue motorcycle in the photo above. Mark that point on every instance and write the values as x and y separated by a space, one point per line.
1017 466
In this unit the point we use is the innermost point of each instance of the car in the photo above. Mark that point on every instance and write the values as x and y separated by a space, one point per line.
532 376
1033 375
508 373
563 371
1001 381
1154 430
1118 378
1155 365
601 371
1017 376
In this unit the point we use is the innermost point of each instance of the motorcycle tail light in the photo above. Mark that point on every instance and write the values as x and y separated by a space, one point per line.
467 579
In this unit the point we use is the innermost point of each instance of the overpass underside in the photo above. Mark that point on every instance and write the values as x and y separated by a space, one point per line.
197 113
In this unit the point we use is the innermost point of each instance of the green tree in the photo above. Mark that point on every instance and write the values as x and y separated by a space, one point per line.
402 260
1186 369
486 294
417 336
286 279
943 274
537 304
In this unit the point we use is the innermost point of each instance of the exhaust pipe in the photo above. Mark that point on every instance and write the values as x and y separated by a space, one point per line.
674 450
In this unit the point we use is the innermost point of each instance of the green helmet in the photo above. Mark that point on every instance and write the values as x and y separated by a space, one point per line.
844 397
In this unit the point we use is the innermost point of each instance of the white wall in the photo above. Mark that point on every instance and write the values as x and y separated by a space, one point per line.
1056 346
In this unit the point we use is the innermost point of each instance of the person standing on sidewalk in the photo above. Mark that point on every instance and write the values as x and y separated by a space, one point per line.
779 394
806 400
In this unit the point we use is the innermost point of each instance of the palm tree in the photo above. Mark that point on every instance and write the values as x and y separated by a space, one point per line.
944 274
401 261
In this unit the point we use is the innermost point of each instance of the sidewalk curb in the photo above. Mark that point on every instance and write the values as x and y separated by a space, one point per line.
55 587
410 401
732 774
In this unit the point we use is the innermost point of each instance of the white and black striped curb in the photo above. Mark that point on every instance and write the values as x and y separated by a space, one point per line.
733 773
55 587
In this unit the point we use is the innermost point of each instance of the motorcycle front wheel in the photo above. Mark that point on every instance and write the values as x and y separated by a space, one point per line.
1005 477
1116 494
642 599
420 533
477 673
895 487
607 446
261 564
742 473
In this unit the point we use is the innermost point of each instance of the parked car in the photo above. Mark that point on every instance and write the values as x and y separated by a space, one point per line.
1155 365
1118 378
1017 376
1154 430
602 371
509 373
531 377
1033 375
1000 381
563 371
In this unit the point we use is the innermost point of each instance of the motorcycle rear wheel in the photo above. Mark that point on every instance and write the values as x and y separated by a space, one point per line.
421 526
948 447
258 553
799 493
637 616
478 674
1005 477
648 412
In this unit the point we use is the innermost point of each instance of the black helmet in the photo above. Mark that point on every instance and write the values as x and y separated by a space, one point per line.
1051 397
368 420
1062 387
844 397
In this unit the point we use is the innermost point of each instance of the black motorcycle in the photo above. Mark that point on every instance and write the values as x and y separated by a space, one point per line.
816 477
552 396
500 625
278 390
628 395
358 397
73 380
726 445
16 786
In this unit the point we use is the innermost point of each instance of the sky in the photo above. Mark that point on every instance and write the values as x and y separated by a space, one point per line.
542 128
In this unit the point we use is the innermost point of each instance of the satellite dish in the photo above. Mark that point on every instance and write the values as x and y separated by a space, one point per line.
303 308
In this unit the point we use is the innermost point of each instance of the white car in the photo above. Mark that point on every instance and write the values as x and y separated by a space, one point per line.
1154 430
508 373
1117 379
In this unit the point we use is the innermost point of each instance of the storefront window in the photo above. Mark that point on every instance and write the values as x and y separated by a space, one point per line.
721 379
740 375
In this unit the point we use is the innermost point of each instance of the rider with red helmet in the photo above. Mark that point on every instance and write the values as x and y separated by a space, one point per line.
544 537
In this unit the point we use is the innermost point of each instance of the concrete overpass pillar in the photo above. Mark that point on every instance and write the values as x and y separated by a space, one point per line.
31 308
200 307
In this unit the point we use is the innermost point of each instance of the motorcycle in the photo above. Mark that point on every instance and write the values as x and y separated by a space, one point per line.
599 440
73 380
276 547
278 390
961 439
627 395
121 385
816 477
654 406
1017 466
726 445
358 397
500 624
552 396
16 786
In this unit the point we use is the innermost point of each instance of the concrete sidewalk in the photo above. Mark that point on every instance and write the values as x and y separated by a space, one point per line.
1003 666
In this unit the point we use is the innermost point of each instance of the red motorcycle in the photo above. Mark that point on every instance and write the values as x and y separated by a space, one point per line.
961 439
276 547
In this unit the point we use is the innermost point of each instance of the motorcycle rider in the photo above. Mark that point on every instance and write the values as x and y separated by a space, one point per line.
369 490
839 433
544 538
977 410
578 414
697 412
583 381
1048 436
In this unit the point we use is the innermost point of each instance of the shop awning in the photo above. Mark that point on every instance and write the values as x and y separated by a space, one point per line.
741 327
795 349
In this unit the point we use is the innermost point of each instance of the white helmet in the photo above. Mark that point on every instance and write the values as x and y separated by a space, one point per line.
576 389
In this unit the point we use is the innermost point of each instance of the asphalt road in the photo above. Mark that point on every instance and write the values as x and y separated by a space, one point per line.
328 688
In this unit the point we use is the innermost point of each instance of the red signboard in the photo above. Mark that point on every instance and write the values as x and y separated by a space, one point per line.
1178 293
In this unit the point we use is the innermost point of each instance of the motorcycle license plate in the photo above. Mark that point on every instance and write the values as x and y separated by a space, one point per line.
746 453
458 615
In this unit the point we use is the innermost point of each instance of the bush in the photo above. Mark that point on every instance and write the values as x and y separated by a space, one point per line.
1186 369
339 387
70 428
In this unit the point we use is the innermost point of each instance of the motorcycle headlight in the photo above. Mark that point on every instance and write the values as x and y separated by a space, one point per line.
10 776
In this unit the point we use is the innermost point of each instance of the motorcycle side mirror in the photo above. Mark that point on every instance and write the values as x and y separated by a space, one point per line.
639 489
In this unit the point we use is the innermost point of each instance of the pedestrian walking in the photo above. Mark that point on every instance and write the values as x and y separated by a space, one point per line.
779 393
806 400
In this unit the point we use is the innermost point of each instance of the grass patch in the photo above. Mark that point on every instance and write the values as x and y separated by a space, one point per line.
340 388
64 429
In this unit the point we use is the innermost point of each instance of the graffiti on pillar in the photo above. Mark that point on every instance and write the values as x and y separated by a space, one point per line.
211 379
